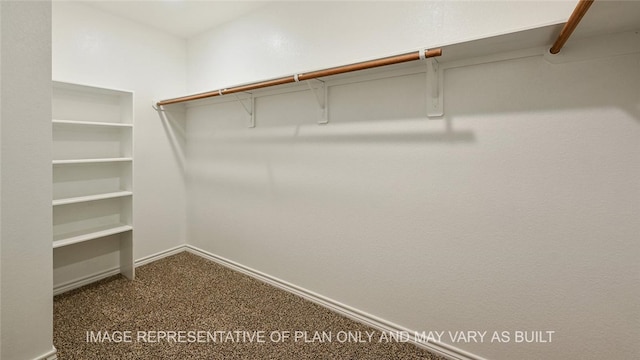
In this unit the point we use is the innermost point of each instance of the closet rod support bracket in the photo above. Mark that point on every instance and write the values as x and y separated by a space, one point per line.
435 98
249 109
321 95
156 107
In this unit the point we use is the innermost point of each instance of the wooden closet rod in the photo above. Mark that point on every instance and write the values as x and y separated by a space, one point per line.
310 75
570 25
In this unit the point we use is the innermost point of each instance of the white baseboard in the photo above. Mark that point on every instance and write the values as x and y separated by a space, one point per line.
445 350
49 355
159 255
86 280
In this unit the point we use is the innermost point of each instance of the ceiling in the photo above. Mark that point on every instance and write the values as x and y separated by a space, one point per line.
183 18
187 18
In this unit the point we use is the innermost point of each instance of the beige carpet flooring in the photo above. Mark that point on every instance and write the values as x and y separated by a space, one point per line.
186 293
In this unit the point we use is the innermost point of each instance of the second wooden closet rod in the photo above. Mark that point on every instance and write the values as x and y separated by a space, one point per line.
422 54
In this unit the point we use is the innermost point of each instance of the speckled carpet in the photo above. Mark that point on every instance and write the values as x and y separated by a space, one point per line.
187 307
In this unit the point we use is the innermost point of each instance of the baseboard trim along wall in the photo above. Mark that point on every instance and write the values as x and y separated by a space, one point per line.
85 280
445 350
73 284
49 355
159 255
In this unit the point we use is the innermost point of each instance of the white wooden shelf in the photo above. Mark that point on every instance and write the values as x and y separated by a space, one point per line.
91 161
92 123
81 199
96 233
92 133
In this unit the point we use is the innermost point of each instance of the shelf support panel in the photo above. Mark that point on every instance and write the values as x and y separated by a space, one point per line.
321 95
249 108
435 98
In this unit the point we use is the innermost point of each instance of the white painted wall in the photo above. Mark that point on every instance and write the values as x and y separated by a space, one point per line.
25 238
522 217
297 36
95 48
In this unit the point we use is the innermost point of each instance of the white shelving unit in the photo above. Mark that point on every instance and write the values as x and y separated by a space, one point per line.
96 233
79 199
90 161
90 123
93 168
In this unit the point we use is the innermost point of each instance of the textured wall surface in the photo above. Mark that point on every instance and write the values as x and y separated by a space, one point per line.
516 211
26 285
297 36
521 216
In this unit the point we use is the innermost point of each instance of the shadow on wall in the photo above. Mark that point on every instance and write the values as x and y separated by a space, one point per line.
391 110
532 85
494 103
174 124
344 134
490 109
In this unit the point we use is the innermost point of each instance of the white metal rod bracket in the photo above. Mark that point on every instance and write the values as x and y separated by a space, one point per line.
156 107
435 98
323 100
248 108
